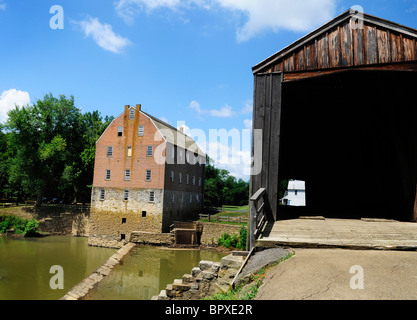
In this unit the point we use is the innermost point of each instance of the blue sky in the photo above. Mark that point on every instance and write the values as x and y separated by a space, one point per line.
183 60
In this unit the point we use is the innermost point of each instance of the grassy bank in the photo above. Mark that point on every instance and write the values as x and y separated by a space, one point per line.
248 288
19 225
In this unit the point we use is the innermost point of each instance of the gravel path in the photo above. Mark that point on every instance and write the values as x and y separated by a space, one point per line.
263 258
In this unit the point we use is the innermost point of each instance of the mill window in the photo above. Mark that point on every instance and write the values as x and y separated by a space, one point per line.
148 176
140 131
149 151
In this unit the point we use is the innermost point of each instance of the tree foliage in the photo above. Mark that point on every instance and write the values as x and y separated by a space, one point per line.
48 150
222 188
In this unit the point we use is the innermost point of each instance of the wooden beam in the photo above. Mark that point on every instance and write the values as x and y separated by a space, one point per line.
402 66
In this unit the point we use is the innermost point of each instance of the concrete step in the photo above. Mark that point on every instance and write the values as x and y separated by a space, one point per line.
180 286
187 278
232 261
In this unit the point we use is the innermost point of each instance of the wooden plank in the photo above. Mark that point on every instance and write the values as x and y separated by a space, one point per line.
395 48
275 140
408 49
334 49
346 45
267 145
258 123
322 53
299 60
252 225
370 44
258 194
383 46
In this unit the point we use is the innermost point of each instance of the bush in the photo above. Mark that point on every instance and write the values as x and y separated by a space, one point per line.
4 225
243 234
27 227
31 227
234 241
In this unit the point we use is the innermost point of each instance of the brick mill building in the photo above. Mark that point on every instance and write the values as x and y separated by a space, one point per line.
147 174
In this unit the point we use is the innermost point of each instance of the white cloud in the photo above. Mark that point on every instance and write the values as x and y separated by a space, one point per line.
248 124
259 15
9 99
103 35
195 105
224 112
248 108
164 120
129 9
276 15
231 158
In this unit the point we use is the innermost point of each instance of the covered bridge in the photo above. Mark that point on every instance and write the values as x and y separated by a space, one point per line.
338 106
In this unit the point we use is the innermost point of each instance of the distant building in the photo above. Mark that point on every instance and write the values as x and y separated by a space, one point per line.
147 174
295 195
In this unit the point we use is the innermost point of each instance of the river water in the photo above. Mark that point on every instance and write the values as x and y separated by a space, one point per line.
25 265
25 268
146 270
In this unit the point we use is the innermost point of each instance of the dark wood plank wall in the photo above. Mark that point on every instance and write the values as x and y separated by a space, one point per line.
267 117
346 45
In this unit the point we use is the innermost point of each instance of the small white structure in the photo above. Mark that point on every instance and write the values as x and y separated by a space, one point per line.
295 195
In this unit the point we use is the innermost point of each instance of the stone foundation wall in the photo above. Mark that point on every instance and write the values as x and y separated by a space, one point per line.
213 231
67 223
155 238
113 220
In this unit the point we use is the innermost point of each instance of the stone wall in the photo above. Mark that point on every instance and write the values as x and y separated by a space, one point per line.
155 238
67 223
205 280
113 220
213 231
81 290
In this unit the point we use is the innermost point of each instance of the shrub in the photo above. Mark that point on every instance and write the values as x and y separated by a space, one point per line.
27 227
4 225
31 227
243 233
233 241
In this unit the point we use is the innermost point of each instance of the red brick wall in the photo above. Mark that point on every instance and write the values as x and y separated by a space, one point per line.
138 163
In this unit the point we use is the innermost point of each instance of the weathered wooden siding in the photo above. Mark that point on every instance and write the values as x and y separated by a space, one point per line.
267 116
348 44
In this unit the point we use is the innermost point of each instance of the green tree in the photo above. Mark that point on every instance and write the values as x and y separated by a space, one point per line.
41 134
52 148
222 188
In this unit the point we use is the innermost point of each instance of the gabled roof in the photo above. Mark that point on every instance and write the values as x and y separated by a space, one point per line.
174 136
352 33
168 132
296 185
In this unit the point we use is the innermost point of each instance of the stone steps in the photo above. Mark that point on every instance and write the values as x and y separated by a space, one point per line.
206 279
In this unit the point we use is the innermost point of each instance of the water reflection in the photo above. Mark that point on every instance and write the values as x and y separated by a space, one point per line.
25 265
146 270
